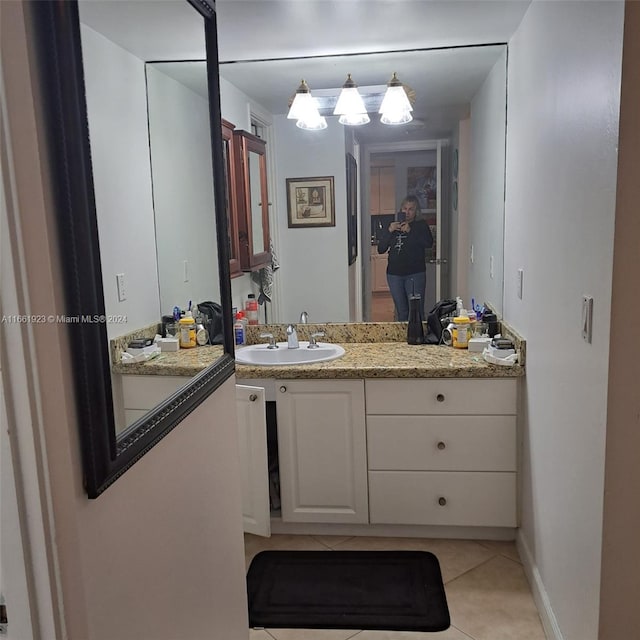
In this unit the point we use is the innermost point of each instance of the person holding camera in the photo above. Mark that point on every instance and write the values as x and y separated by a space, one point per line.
406 241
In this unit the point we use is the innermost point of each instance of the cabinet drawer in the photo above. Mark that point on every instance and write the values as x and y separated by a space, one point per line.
145 392
441 396
442 443
469 499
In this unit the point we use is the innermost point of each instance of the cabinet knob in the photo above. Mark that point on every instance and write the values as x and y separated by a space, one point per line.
442 501
441 445
253 397
440 397
283 389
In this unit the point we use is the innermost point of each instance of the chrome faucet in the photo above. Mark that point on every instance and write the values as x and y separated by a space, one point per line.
304 318
312 340
272 340
292 337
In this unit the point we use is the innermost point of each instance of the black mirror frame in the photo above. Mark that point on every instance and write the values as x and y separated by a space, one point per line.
56 31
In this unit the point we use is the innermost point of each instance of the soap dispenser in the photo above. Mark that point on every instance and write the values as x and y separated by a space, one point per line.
415 332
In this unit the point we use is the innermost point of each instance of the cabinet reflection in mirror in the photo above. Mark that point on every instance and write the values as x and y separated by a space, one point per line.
139 210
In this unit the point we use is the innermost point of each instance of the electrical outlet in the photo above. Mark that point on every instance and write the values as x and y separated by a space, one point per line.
185 264
122 292
491 261
520 278
471 255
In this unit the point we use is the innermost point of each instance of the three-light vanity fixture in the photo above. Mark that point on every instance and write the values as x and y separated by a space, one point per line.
394 108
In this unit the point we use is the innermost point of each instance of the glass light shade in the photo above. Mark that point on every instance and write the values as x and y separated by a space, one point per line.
395 100
354 120
400 117
303 107
313 123
349 102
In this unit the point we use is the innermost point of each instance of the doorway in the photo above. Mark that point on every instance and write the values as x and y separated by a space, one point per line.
389 173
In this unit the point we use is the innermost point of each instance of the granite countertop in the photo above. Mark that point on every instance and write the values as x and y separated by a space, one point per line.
184 362
389 360
361 360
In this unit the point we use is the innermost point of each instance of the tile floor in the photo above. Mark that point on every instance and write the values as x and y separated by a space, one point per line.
487 592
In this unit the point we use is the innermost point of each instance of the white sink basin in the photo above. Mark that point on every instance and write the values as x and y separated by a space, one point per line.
259 354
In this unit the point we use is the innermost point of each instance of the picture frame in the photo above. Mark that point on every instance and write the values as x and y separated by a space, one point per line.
352 209
311 202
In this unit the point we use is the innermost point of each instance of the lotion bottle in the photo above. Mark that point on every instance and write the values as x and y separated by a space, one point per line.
187 331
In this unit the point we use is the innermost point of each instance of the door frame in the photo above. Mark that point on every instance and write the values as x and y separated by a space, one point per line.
365 212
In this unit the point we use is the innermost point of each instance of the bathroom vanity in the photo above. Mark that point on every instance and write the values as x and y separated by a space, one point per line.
390 439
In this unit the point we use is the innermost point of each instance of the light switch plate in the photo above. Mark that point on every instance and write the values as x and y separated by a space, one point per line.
587 318
185 265
122 292
491 261
520 279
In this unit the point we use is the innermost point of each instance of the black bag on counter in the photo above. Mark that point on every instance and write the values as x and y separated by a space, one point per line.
442 309
212 313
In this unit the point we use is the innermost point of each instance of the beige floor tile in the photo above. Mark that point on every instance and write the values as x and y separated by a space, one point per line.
450 634
255 544
332 541
455 556
494 602
259 634
503 547
312 634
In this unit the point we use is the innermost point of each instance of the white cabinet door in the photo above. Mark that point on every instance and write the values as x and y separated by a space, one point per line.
322 451
252 438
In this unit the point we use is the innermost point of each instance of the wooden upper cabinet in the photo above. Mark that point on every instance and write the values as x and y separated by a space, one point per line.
231 198
252 200
383 190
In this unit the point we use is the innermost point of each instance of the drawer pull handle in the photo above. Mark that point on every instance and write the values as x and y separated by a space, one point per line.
440 397
442 501
253 397
283 389
441 445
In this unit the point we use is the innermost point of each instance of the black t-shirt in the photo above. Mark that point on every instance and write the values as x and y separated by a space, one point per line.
407 250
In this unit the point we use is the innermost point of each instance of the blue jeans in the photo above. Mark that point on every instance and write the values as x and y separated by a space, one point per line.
402 287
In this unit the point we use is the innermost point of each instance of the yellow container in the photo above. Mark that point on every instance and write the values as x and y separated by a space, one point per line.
187 328
460 332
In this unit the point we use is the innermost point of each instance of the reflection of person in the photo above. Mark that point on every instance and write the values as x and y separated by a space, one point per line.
406 242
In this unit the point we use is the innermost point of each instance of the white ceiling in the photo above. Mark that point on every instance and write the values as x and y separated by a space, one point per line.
250 30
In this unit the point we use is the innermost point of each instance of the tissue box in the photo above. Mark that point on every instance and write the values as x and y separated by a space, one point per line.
152 348
478 344
168 344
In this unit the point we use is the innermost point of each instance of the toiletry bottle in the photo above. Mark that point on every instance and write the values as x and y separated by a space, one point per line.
239 329
251 309
460 333
187 331
415 332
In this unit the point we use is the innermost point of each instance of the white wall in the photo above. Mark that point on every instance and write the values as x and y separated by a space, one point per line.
183 193
563 102
486 189
117 109
459 236
313 262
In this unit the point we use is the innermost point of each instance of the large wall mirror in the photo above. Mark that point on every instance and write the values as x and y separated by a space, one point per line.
458 132
140 201
459 118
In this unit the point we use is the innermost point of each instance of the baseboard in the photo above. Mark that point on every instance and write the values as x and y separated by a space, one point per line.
400 531
547 617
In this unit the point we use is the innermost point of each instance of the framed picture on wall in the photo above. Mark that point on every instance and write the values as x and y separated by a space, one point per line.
352 209
310 202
